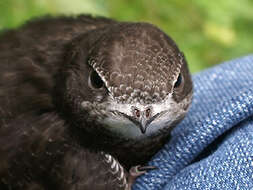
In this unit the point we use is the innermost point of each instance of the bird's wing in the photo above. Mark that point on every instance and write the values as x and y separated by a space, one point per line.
30 145
35 151
82 169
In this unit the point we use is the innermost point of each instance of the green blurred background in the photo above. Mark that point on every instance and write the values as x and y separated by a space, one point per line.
208 32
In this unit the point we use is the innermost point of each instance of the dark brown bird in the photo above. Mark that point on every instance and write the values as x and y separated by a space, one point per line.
82 100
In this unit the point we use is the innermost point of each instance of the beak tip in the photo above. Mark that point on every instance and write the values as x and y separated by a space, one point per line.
143 129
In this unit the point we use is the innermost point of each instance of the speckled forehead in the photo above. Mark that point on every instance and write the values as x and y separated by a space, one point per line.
140 65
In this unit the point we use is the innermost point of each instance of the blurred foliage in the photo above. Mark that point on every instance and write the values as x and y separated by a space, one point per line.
208 32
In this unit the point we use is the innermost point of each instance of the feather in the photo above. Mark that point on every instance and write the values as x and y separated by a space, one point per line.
68 90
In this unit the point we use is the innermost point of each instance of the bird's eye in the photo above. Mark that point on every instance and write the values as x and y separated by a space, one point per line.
179 81
95 81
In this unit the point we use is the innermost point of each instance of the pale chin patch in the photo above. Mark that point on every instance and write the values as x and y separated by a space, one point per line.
129 130
124 128
171 111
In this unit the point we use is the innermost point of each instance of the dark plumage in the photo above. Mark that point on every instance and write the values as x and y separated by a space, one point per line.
75 93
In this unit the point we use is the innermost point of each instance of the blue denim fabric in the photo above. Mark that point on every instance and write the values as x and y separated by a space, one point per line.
212 148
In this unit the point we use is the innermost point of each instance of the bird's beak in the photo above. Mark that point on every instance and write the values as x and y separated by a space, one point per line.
145 122
142 122
143 125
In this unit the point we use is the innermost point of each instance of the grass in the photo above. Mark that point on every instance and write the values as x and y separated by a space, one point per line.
208 32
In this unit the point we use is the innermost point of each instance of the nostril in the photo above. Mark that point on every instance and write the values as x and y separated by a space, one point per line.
137 113
148 111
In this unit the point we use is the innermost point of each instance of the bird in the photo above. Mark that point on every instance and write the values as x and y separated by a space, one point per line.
86 101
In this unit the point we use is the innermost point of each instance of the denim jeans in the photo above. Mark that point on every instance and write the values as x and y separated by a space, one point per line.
212 148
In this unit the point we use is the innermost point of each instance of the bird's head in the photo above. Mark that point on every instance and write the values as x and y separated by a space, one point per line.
130 80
